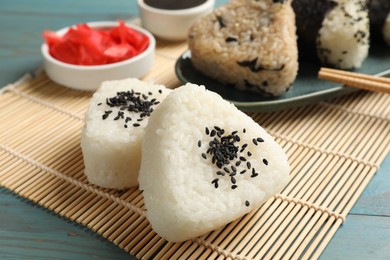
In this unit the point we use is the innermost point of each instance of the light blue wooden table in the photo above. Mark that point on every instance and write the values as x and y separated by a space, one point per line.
28 231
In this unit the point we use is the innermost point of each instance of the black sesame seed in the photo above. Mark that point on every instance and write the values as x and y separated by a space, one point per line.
234 187
265 161
233 168
238 163
99 104
106 114
243 147
254 141
139 119
243 171
136 125
150 93
207 131
220 22
233 180
231 39
226 169
260 140
247 203
125 126
233 174
254 173
160 91
212 133
248 165
204 155
220 173
249 153
244 130
242 158
218 129
215 182
199 143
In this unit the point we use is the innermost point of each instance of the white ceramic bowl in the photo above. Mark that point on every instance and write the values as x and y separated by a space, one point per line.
171 24
90 77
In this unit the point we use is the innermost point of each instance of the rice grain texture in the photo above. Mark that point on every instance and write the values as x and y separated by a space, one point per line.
205 164
344 38
114 126
248 44
336 31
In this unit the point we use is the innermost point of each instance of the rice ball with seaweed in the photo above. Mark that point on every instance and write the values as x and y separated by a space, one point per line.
248 44
205 163
114 128
386 30
379 14
338 30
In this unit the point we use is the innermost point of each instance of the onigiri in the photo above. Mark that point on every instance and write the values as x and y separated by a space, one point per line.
205 163
337 30
114 128
247 44
379 14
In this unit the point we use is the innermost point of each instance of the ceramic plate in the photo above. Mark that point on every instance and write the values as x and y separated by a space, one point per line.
307 87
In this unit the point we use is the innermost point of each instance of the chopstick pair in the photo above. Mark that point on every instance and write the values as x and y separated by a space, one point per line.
356 80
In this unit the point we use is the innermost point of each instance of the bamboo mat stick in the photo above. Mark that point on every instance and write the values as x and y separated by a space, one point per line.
244 227
328 237
107 215
151 242
305 225
290 232
277 230
260 239
75 213
310 236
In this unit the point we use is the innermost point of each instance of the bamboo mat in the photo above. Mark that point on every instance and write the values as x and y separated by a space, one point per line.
334 148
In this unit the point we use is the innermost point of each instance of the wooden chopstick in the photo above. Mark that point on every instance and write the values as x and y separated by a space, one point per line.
356 80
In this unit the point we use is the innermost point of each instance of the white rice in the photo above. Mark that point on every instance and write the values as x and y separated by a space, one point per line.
112 146
179 186
343 39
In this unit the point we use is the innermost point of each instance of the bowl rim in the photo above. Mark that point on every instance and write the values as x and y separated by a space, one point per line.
101 24
186 11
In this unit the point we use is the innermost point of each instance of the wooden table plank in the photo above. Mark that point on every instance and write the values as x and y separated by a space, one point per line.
361 237
28 231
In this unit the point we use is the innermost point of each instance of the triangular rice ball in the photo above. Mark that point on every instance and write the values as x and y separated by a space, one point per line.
249 44
205 163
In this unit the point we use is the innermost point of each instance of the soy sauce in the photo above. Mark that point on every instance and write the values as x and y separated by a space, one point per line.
174 4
